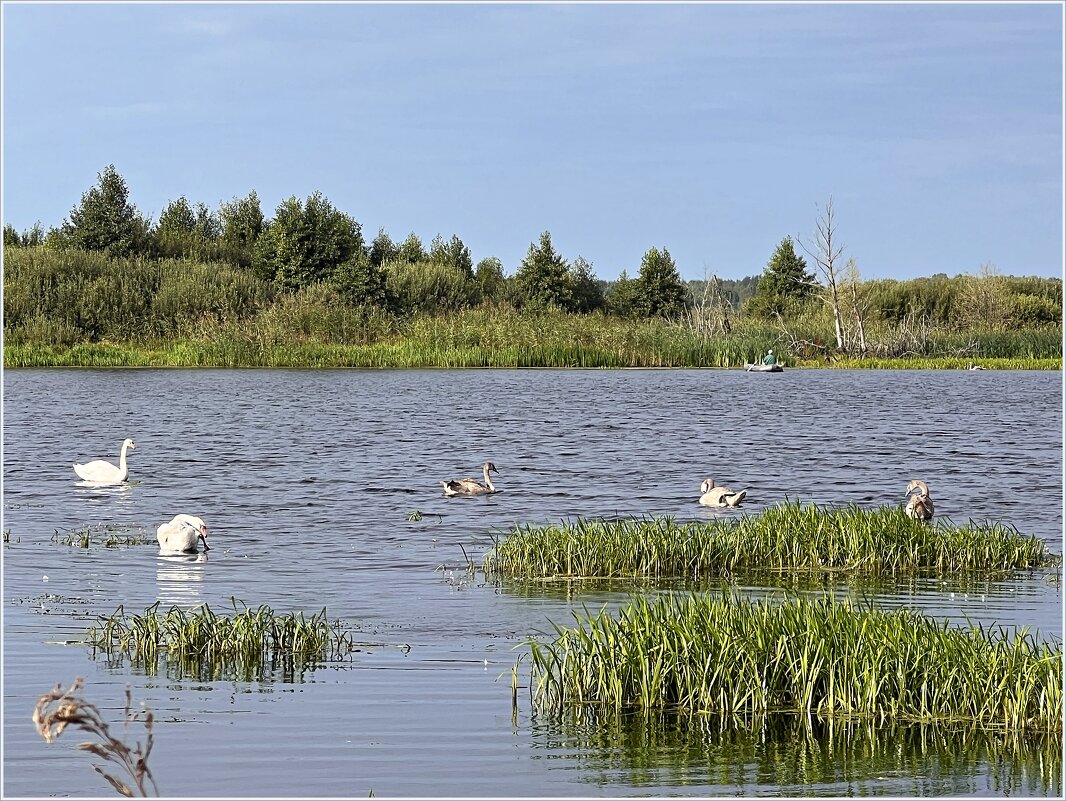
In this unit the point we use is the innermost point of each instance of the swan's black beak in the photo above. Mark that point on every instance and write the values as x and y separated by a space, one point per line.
203 538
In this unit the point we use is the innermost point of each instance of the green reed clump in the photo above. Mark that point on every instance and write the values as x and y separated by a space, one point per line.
811 656
786 537
205 644
104 535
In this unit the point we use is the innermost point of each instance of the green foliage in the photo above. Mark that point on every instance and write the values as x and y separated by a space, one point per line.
1031 311
62 297
623 296
789 537
242 222
361 282
203 294
543 279
27 239
785 279
306 242
659 288
429 287
491 283
411 249
586 290
813 656
201 644
453 254
186 231
105 220
383 249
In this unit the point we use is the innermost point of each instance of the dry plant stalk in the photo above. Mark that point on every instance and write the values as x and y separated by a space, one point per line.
60 708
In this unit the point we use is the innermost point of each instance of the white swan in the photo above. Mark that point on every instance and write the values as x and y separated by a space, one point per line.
719 496
976 366
920 505
101 472
468 486
182 535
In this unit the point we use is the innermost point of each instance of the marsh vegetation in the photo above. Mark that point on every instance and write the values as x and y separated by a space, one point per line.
198 643
787 538
815 657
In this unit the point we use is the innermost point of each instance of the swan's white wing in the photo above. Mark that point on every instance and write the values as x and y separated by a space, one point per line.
178 535
99 471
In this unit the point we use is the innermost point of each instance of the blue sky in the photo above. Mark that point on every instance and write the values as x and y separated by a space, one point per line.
714 130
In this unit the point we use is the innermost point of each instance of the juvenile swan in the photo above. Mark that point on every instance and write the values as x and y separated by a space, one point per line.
467 486
919 505
182 535
719 496
103 472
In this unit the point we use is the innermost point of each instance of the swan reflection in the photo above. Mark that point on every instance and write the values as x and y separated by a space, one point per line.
179 579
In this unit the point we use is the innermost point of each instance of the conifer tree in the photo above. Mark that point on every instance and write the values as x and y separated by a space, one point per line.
543 278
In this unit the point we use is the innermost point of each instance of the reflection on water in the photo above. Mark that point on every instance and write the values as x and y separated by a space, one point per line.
787 755
180 579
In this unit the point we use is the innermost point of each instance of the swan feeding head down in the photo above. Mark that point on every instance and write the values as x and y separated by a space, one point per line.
719 496
919 504
183 534
103 472
468 486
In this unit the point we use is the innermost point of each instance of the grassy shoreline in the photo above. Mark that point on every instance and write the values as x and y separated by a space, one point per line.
416 353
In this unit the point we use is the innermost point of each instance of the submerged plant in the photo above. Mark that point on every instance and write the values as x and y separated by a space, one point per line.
788 537
58 709
206 645
703 654
105 535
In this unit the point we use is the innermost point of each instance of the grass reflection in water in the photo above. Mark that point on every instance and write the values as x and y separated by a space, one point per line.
800 756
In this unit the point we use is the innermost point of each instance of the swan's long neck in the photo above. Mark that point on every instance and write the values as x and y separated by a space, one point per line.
122 458
488 481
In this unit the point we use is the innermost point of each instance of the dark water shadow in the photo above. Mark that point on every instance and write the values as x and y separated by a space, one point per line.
787 755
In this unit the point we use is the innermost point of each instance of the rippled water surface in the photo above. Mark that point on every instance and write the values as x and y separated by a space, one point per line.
306 479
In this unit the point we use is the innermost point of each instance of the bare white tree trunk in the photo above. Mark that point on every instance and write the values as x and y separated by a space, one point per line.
825 254
858 305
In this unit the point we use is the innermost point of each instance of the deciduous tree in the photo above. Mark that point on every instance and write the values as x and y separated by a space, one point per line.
306 242
660 290
105 219
242 223
452 253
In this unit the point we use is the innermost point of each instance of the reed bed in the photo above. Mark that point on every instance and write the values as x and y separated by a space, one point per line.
310 330
232 353
788 537
934 363
200 643
816 657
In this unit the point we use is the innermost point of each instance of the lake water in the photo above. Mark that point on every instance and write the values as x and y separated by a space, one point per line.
306 479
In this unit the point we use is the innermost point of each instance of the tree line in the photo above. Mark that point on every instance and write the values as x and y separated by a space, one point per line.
311 244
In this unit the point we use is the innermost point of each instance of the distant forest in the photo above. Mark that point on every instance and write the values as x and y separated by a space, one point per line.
108 272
